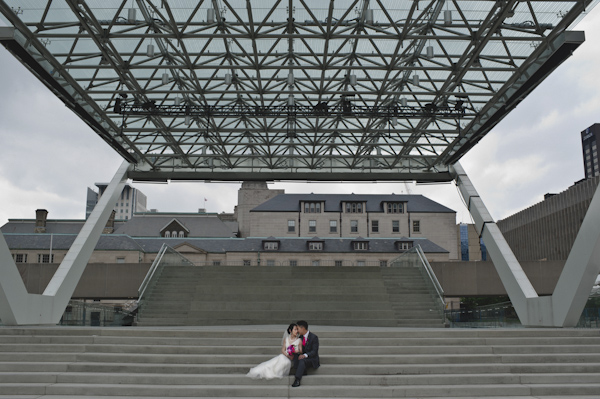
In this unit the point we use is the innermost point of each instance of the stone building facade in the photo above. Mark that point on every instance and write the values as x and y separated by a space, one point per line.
352 216
268 227
547 230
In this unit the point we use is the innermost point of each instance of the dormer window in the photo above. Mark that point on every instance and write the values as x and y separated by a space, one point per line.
174 229
312 207
354 207
404 245
395 207
270 245
360 245
315 245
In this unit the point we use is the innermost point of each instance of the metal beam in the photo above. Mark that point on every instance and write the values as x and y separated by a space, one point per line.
564 307
17 307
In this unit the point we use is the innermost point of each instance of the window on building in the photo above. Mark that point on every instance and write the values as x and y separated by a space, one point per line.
316 262
361 245
333 226
312 226
216 263
315 246
395 207
21 258
416 226
405 245
483 249
395 226
167 234
383 263
270 245
270 262
293 263
247 262
354 226
181 234
291 226
312 207
45 258
120 259
360 263
354 207
374 226
338 263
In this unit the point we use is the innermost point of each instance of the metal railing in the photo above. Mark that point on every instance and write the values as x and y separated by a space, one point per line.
415 257
167 256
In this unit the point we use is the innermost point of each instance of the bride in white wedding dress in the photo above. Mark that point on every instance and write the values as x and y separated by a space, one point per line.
280 365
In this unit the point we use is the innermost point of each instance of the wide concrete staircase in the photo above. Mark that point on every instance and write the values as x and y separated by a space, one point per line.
73 362
230 295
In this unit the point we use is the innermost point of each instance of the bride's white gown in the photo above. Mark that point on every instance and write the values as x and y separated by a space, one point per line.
278 367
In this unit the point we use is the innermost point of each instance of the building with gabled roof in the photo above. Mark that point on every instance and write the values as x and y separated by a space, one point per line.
353 215
281 229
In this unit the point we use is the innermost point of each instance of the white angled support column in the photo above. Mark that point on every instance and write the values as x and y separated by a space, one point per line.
17 306
564 307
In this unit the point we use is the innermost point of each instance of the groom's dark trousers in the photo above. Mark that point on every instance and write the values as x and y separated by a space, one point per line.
312 350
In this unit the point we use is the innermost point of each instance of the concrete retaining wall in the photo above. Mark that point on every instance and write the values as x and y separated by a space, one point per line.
122 280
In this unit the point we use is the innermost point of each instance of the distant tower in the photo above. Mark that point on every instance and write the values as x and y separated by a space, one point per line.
131 200
589 140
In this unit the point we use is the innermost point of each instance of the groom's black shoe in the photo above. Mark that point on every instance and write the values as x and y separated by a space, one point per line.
296 383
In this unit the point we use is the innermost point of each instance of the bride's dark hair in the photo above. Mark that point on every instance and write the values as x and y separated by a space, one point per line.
291 327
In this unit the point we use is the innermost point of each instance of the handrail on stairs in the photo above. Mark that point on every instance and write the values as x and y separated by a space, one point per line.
153 273
167 256
408 258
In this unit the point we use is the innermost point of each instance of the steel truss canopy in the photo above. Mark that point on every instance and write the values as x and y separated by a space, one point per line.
297 89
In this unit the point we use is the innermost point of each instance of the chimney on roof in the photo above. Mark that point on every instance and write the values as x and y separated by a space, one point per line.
40 220
110 224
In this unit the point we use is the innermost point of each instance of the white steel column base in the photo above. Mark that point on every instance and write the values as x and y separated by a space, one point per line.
566 304
17 306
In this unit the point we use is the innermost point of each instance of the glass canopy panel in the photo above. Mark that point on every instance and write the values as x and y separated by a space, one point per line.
300 89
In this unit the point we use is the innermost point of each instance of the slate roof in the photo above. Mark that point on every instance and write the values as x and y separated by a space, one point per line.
149 225
234 227
138 226
333 202
26 226
107 242
214 245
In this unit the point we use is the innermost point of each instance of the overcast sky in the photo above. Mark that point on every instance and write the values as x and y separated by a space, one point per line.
48 157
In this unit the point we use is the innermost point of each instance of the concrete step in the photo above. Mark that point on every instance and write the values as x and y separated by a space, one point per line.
286 314
203 281
234 322
199 293
270 297
282 390
534 369
314 380
237 347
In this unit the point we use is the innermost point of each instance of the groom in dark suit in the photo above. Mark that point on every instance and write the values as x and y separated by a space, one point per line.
310 353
